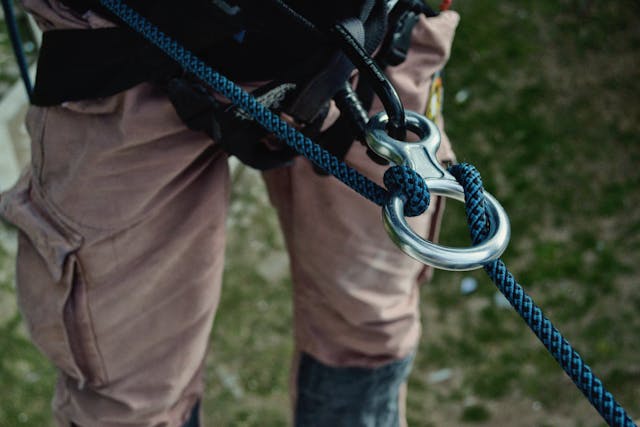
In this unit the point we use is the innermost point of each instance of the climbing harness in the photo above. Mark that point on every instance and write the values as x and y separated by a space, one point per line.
303 75
416 173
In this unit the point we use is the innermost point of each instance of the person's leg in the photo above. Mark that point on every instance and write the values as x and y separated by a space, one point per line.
121 221
194 418
355 299
357 319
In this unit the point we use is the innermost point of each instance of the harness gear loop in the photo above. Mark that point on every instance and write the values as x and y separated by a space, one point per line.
228 125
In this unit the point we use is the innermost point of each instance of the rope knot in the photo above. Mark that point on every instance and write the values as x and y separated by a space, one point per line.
411 187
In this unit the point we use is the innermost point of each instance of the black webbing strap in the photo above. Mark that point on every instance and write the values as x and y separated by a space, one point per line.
196 23
83 64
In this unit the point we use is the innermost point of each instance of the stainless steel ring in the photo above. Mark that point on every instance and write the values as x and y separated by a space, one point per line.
421 156
446 257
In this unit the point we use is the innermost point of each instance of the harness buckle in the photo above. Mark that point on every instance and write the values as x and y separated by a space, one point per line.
421 157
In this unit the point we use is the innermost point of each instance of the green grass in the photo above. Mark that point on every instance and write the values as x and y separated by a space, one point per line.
552 121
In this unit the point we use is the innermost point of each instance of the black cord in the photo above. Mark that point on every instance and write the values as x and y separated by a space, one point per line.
16 44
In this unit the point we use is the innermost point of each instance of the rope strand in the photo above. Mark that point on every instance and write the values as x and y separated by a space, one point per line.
568 358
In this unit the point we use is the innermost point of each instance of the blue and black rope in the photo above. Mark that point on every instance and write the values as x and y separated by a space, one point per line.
16 44
568 358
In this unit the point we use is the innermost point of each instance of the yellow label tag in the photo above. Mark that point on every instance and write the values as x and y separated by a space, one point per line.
434 101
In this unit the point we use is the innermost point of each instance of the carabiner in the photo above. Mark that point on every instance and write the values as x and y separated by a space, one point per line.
375 76
421 157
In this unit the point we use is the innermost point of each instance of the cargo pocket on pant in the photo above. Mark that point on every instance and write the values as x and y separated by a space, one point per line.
50 287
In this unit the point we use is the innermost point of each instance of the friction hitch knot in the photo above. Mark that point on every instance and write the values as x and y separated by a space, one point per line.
404 182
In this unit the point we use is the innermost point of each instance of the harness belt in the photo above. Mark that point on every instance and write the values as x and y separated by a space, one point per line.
305 73
64 75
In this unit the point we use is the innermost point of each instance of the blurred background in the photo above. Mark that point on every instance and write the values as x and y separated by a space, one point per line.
544 98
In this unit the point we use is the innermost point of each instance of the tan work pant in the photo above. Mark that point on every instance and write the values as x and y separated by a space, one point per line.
122 233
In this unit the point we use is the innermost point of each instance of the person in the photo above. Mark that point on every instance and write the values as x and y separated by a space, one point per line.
121 218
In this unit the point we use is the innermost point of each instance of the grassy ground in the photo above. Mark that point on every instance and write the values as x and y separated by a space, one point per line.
543 99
